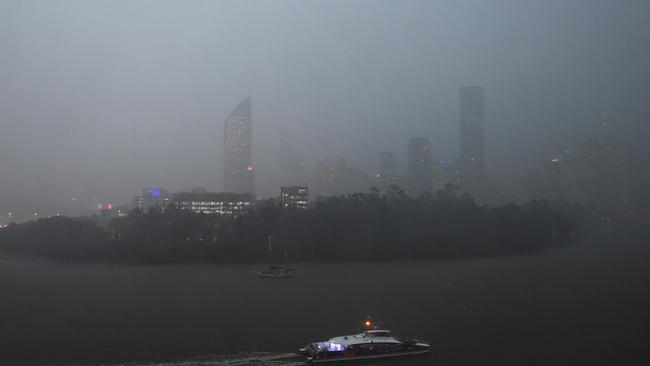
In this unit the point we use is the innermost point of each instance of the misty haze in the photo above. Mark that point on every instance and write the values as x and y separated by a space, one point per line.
287 182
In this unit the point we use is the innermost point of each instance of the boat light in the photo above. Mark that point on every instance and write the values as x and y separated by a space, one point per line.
333 347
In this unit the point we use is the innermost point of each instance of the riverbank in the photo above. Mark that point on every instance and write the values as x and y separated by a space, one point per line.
360 227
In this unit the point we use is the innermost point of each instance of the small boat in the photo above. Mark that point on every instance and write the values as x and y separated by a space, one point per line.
375 343
276 272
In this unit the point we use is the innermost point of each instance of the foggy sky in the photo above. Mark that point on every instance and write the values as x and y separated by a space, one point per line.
106 97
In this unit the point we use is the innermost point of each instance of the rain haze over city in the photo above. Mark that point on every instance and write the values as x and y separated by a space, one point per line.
222 182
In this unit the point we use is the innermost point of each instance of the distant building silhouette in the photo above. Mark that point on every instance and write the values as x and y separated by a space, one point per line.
472 137
387 173
152 197
285 157
294 196
325 178
420 166
290 165
445 171
214 203
592 174
335 177
237 164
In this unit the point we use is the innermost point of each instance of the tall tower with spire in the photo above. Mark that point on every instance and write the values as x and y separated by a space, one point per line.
237 164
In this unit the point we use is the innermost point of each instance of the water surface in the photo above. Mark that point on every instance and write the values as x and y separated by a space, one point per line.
579 305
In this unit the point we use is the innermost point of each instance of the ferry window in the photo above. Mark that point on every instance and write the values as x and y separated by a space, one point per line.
382 346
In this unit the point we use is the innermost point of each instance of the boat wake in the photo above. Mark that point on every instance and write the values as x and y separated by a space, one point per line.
240 359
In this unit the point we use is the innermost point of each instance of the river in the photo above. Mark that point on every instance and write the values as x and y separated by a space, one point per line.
583 304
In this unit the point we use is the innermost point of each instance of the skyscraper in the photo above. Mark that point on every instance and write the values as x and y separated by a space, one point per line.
472 140
237 162
420 166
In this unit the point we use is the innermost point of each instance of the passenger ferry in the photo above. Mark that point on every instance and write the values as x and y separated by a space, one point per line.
375 343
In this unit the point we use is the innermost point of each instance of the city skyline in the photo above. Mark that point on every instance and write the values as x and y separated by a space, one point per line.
419 182
95 106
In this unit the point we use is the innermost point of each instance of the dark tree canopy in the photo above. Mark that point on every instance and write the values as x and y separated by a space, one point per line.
359 227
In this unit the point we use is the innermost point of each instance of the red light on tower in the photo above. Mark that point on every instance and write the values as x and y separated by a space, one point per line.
249 167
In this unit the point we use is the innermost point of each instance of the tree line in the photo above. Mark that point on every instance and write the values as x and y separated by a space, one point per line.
358 227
